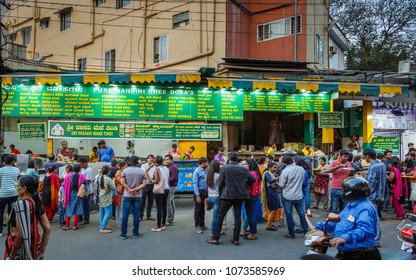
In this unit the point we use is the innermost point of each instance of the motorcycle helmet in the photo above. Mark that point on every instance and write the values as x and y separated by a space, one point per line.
355 187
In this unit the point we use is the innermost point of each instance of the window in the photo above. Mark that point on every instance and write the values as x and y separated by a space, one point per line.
44 23
12 37
110 61
122 3
160 48
82 64
65 18
26 35
100 2
319 49
181 19
278 29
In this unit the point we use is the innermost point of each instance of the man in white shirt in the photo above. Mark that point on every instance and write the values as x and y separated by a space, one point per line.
86 202
147 192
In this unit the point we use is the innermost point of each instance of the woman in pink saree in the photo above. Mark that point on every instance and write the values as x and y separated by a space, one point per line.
396 187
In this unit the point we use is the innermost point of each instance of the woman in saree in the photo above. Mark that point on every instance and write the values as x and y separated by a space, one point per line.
24 241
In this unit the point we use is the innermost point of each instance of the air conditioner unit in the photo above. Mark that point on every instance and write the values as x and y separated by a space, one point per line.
333 49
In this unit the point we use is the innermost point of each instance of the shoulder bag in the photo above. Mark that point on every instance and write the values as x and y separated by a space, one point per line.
82 191
159 188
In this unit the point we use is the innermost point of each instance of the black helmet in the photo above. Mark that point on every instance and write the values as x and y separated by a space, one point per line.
356 187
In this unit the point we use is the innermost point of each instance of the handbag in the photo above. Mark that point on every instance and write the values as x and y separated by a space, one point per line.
117 199
82 191
207 205
159 188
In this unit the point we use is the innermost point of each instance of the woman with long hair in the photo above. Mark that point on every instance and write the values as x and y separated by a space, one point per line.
213 173
72 202
50 192
105 188
250 204
305 185
270 195
119 189
396 188
161 199
24 241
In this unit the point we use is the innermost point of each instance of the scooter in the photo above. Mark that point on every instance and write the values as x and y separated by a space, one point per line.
407 234
318 240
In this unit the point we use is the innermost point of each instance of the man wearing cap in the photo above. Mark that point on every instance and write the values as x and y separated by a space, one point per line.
106 153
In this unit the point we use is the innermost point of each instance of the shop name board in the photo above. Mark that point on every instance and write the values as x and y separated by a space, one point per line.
124 102
171 131
278 102
152 103
331 119
31 131
381 144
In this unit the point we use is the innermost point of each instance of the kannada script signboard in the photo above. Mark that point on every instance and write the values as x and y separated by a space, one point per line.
278 102
331 119
31 131
123 102
152 103
172 131
380 144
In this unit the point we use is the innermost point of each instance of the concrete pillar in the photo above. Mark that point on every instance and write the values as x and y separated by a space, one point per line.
367 124
308 128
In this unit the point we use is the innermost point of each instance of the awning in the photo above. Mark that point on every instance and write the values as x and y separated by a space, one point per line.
100 78
305 84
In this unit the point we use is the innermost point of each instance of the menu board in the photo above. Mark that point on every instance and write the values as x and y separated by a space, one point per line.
380 144
186 169
31 131
172 131
385 119
331 119
124 102
278 102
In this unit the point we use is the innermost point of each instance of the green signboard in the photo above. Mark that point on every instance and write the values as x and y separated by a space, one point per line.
331 119
123 102
152 103
380 144
278 102
171 131
31 131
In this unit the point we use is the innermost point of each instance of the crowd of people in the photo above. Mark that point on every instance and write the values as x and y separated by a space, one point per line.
280 186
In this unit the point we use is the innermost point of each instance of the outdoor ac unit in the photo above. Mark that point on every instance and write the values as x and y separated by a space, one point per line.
333 49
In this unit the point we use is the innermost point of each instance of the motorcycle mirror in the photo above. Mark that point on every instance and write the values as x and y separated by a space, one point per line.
333 217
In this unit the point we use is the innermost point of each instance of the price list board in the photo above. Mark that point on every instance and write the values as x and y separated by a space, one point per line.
124 102
31 131
276 102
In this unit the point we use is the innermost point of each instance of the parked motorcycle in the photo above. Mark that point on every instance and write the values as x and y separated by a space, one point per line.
407 233
318 240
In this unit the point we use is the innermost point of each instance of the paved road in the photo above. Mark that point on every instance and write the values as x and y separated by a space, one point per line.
180 242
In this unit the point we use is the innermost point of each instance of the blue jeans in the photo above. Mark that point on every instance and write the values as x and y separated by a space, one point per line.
86 206
215 201
61 213
105 215
128 203
251 219
336 200
376 205
300 208
386 196
307 195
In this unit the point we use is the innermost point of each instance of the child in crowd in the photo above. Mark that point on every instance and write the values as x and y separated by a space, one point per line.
61 210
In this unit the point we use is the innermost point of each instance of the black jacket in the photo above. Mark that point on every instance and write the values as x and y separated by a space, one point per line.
234 182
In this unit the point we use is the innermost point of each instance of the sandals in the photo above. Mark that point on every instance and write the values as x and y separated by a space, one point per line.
65 228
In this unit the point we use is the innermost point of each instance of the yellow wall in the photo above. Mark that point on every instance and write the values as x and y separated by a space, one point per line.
130 31
200 148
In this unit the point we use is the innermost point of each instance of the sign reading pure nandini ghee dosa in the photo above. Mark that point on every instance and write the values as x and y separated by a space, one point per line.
123 102
172 131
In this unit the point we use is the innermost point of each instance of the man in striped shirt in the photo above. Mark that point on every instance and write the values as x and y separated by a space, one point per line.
340 169
8 183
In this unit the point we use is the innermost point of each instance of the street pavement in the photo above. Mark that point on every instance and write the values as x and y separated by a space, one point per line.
180 242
